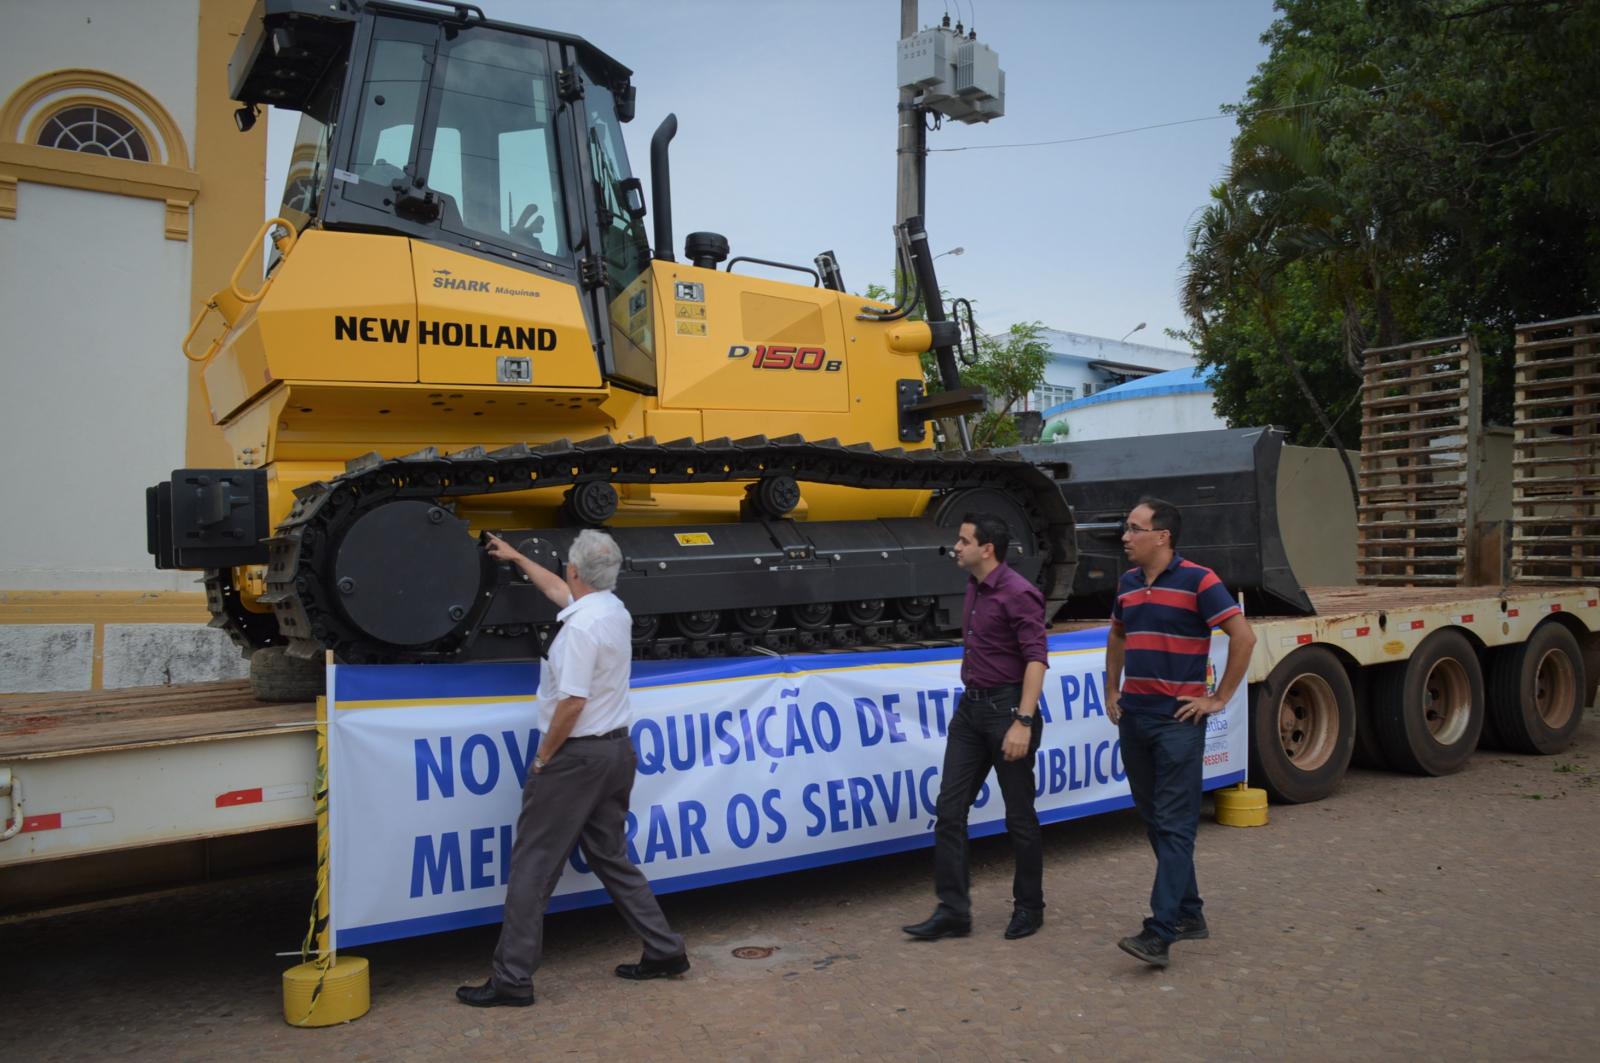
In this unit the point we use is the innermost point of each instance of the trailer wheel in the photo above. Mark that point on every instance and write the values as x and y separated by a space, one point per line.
1536 691
1429 710
275 676
1302 725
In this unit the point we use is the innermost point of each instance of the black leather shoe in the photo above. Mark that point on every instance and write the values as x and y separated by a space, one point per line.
1023 923
1194 929
648 968
940 924
488 995
1147 947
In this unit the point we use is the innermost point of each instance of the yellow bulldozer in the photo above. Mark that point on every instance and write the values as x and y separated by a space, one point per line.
465 328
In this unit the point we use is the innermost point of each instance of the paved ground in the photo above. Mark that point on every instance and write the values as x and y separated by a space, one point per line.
1448 918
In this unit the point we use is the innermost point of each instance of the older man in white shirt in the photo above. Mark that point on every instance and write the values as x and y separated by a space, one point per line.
580 780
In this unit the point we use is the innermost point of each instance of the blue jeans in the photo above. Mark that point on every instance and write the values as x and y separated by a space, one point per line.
1165 759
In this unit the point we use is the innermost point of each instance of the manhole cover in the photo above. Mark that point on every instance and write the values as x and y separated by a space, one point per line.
754 952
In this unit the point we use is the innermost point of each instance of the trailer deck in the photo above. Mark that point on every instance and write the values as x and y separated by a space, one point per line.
162 767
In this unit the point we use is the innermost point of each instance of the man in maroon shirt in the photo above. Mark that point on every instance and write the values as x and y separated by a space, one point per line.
996 726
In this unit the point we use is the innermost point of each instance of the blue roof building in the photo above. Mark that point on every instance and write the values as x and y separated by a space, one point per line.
1178 400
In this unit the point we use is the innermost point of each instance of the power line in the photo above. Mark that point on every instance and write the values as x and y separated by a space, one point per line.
1079 140
1146 128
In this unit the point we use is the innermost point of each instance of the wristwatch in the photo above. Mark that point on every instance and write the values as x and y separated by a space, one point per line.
1026 721
538 765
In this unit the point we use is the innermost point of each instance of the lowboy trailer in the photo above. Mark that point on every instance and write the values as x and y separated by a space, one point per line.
116 792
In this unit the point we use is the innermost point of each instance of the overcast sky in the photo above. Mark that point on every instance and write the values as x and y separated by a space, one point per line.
786 139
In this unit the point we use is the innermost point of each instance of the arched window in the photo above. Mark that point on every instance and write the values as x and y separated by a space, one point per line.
112 136
94 130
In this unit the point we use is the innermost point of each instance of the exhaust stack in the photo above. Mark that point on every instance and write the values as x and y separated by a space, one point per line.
661 186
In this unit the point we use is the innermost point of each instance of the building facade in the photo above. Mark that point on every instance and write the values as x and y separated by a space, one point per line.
127 196
1082 365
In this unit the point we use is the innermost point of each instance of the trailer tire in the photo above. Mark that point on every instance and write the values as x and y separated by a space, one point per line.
275 676
1536 691
1368 750
1302 727
1429 710
1490 738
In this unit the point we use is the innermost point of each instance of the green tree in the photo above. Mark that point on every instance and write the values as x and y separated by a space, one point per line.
1403 169
1007 367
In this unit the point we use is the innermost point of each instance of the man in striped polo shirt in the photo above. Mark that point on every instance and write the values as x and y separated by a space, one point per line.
1156 694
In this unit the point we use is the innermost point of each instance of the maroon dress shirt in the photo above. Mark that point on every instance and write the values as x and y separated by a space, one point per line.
1002 628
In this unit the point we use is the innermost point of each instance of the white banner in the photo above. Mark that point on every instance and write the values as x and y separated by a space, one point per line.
747 767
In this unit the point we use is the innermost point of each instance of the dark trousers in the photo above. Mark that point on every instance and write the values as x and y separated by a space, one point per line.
972 748
1164 758
581 797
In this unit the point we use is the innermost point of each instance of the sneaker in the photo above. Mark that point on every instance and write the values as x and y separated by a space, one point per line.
1147 947
1192 928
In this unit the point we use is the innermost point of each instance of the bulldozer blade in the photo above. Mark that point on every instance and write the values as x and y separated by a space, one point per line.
1224 483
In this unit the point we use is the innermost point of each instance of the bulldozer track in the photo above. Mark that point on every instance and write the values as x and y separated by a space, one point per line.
248 629
301 550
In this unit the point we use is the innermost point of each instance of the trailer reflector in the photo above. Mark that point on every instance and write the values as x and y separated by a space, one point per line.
1355 632
81 817
239 797
258 794
1417 625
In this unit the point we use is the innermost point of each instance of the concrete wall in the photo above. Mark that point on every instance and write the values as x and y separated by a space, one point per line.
1317 516
93 392
1494 475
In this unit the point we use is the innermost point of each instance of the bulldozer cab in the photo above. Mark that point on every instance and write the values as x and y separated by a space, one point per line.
439 125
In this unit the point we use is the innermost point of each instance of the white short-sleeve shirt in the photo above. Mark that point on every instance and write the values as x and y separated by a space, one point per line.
590 658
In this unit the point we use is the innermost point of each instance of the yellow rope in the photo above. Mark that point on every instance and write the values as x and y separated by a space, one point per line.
315 927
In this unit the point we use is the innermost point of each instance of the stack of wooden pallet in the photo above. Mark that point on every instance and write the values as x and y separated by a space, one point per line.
1420 451
1556 466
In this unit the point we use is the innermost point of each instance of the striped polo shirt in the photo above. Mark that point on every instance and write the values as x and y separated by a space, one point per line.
1168 628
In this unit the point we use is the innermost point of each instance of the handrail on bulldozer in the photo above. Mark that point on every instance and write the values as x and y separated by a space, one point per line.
230 301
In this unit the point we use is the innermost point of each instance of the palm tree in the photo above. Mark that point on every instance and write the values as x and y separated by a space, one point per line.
1282 202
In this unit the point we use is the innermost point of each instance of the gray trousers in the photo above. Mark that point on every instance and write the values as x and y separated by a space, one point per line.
581 796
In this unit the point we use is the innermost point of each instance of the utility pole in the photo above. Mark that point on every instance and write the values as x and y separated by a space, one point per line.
943 73
947 73
911 148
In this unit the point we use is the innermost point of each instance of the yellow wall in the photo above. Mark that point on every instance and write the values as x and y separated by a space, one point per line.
232 168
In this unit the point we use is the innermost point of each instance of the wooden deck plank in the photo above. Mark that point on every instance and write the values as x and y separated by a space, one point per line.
80 721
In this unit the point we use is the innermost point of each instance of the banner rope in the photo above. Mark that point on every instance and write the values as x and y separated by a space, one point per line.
317 925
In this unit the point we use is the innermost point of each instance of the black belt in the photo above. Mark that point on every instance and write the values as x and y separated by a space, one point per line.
620 732
992 693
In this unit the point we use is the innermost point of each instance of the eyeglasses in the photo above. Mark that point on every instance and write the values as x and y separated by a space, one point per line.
1134 529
